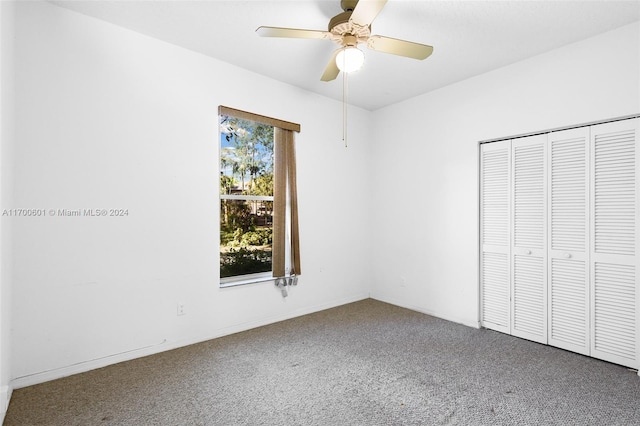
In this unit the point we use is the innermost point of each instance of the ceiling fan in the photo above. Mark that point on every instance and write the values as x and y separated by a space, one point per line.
348 29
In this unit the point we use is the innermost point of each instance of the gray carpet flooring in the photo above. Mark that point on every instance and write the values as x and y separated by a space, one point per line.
365 363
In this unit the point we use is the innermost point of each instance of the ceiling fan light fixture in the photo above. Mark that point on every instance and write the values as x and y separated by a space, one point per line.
350 59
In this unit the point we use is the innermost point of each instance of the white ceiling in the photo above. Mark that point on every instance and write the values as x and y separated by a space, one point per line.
469 37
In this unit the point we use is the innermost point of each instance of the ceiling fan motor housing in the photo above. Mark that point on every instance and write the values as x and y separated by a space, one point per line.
340 25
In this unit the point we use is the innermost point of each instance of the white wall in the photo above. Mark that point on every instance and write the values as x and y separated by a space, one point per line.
7 16
426 199
108 118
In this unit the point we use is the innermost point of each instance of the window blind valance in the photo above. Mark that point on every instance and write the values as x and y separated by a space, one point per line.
263 119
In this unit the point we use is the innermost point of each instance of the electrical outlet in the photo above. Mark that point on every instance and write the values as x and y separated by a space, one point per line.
180 309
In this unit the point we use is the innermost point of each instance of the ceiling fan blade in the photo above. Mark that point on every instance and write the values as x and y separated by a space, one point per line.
332 70
399 47
366 11
292 33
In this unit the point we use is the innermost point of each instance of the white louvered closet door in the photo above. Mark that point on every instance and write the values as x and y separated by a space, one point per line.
495 166
568 273
614 242
529 247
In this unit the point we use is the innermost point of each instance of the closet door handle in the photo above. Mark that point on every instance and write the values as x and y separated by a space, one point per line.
527 252
567 255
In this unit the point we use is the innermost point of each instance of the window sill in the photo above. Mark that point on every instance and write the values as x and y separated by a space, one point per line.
245 279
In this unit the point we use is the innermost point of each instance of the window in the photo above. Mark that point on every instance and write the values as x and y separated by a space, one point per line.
246 197
258 204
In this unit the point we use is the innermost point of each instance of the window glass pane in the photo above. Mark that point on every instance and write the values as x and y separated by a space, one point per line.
246 169
245 237
246 157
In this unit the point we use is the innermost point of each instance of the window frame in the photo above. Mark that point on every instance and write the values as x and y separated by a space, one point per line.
259 277
286 245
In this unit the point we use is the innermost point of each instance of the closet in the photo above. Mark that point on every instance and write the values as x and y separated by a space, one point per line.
558 239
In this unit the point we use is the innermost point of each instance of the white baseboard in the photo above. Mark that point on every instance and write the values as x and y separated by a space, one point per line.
433 313
81 367
45 376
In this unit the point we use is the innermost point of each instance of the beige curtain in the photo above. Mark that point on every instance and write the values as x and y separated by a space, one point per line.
284 182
